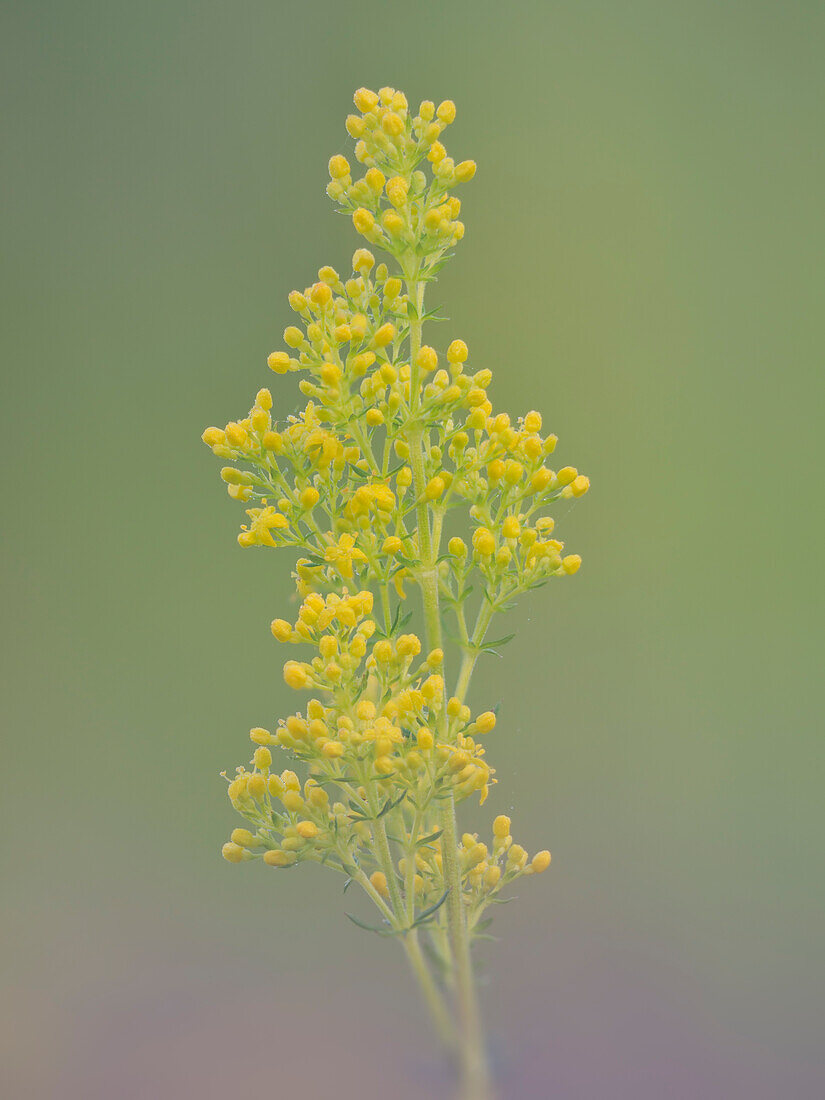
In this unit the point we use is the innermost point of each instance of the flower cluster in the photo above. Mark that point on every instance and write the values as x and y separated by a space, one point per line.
396 477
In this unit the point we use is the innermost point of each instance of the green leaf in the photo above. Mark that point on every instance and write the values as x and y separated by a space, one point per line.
429 913
370 927
428 839
390 804
486 647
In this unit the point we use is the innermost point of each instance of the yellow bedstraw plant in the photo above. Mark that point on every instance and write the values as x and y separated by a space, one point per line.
397 486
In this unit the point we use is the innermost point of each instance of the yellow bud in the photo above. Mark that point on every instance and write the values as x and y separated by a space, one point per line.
382 651
408 645
483 542
580 485
427 359
338 167
292 800
457 547
571 564
541 479
457 352
425 739
437 151
501 826
355 126
362 260
307 829
491 877
540 861
333 749
446 112
375 180
374 417
259 419
465 170
278 859
365 100
532 422
213 437
309 497
293 337
331 374
279 360
385 335
362 362
397 189
392 124
517 855
256 786
392 288
232 853
363 221
513 472
262 758
321 294
511 528
566 475
485 723
392 545
379 882
434 489
295 675
243 838
281 629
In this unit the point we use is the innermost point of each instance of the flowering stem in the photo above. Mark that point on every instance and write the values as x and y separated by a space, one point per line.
475 1082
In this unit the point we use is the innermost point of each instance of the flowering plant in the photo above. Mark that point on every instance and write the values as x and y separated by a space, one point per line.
395 480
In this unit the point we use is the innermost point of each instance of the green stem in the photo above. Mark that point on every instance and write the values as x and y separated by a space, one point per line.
435 1002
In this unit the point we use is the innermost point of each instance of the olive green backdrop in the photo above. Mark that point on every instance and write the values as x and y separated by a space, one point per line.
643 264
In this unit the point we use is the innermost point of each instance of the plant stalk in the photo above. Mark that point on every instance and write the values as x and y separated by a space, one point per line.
475 1078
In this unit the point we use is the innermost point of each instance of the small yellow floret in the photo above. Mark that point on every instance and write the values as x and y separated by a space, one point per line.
365 100
385 335
446 112
338 167
262 758
540 861
483 542
278 859
295 675
427 359
363 220
379 882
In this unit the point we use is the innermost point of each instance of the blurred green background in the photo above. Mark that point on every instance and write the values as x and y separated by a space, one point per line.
643 264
